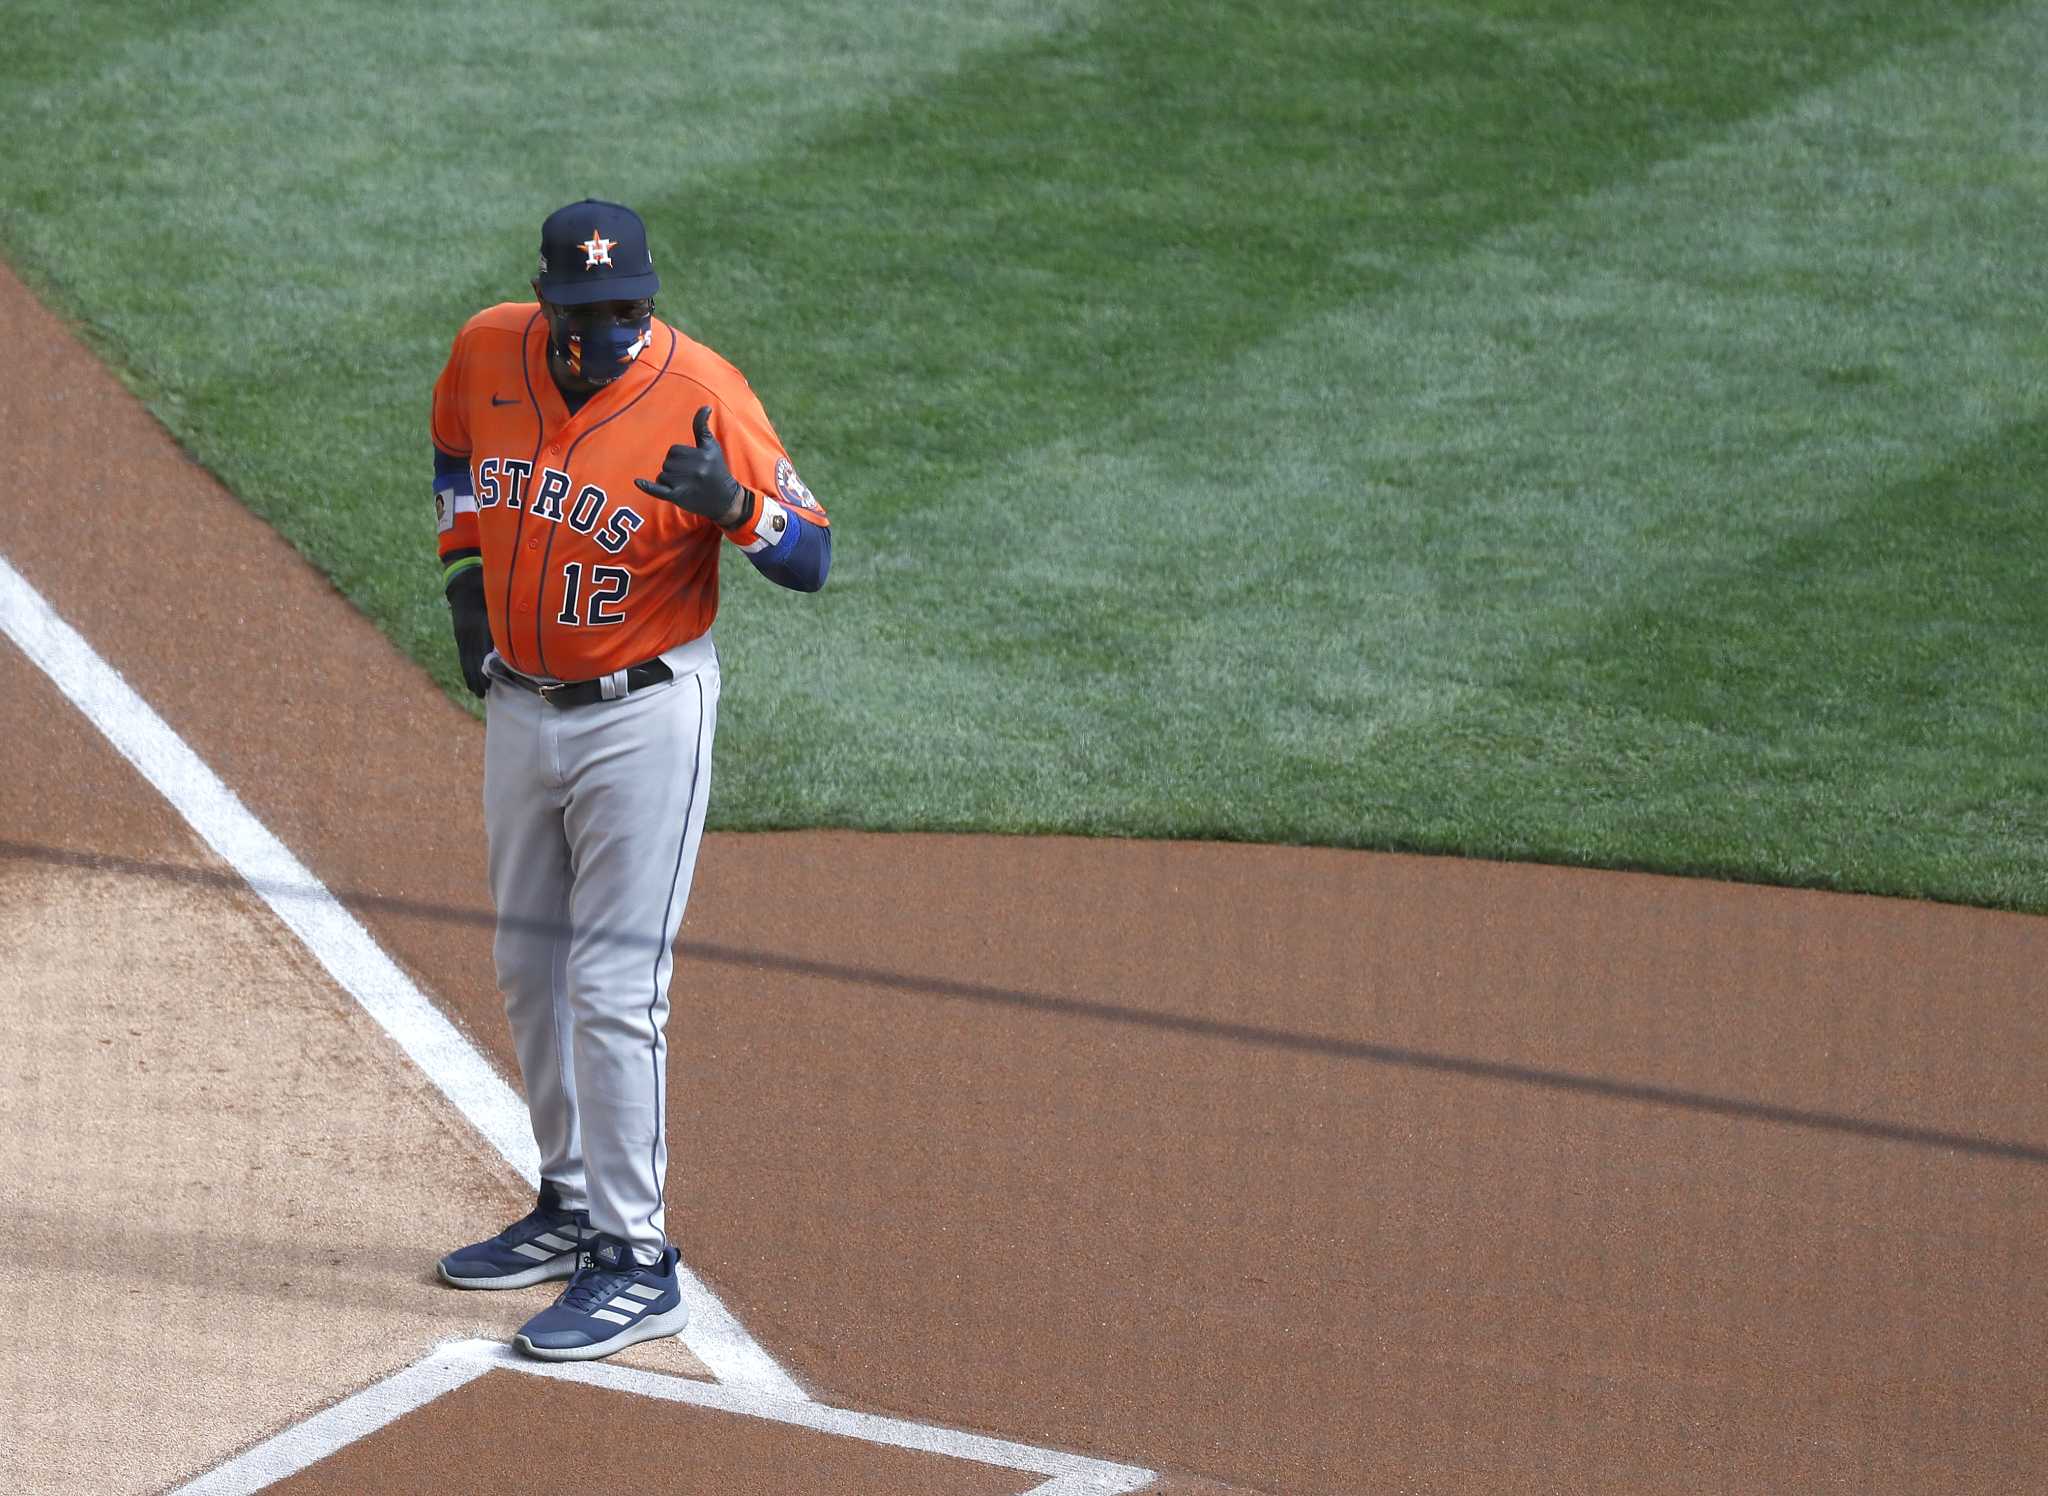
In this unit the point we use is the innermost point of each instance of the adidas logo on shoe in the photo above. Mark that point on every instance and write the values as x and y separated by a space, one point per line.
611 1303
542 1244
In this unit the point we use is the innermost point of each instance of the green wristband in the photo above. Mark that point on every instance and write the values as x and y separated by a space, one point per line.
457 568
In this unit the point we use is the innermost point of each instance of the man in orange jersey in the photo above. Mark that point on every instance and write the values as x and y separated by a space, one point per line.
591 463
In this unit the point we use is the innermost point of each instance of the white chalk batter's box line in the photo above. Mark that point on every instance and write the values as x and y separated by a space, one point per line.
750 1381
460 1362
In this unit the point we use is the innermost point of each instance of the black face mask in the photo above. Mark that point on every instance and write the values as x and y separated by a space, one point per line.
595 343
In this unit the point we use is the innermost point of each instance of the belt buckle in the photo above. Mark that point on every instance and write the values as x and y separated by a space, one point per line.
547 691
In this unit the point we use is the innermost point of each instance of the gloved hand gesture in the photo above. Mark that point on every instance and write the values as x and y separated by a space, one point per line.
697 479
472 627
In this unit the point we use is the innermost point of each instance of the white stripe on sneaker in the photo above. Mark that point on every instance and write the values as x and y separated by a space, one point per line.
642 1291
617 1319
622 1302
557 1243
537 1254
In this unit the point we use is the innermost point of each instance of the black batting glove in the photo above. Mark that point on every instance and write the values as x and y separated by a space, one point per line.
697 479
472 627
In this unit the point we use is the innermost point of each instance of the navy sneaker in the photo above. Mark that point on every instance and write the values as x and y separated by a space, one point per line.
539 1246
611 1303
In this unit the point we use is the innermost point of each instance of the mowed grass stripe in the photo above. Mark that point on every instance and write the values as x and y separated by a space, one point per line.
1788 605
1114 216
1367 519
1481 470
1045 238
1817 672
1839 710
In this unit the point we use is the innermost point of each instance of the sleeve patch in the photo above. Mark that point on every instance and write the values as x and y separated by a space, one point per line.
791 487
453 495
771 527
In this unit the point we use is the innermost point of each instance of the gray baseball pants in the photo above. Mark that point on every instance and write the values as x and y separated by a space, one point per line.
594 815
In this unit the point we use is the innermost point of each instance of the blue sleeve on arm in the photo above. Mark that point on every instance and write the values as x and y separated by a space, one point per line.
798 561
451 481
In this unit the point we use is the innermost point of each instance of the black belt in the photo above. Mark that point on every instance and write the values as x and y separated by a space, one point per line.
583 692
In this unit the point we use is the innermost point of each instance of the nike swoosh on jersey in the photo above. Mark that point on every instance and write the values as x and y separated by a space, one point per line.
496 401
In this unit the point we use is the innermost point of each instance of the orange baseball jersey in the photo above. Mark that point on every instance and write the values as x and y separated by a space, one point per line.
583 573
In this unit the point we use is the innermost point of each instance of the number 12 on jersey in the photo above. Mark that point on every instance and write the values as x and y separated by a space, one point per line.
608 585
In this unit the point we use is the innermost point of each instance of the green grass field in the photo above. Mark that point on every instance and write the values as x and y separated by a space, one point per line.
1597 432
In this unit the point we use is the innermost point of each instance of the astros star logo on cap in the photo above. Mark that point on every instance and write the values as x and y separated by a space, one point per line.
597 250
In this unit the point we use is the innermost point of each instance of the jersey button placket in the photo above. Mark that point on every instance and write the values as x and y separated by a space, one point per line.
552 456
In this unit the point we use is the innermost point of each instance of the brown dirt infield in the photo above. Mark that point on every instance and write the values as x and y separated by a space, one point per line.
1287 1171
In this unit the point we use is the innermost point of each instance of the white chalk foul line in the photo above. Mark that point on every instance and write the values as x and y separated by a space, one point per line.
750 1382
334 936
347 1421
1071 1474
460 1362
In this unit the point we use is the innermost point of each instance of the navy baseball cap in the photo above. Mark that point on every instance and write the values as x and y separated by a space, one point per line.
595 251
